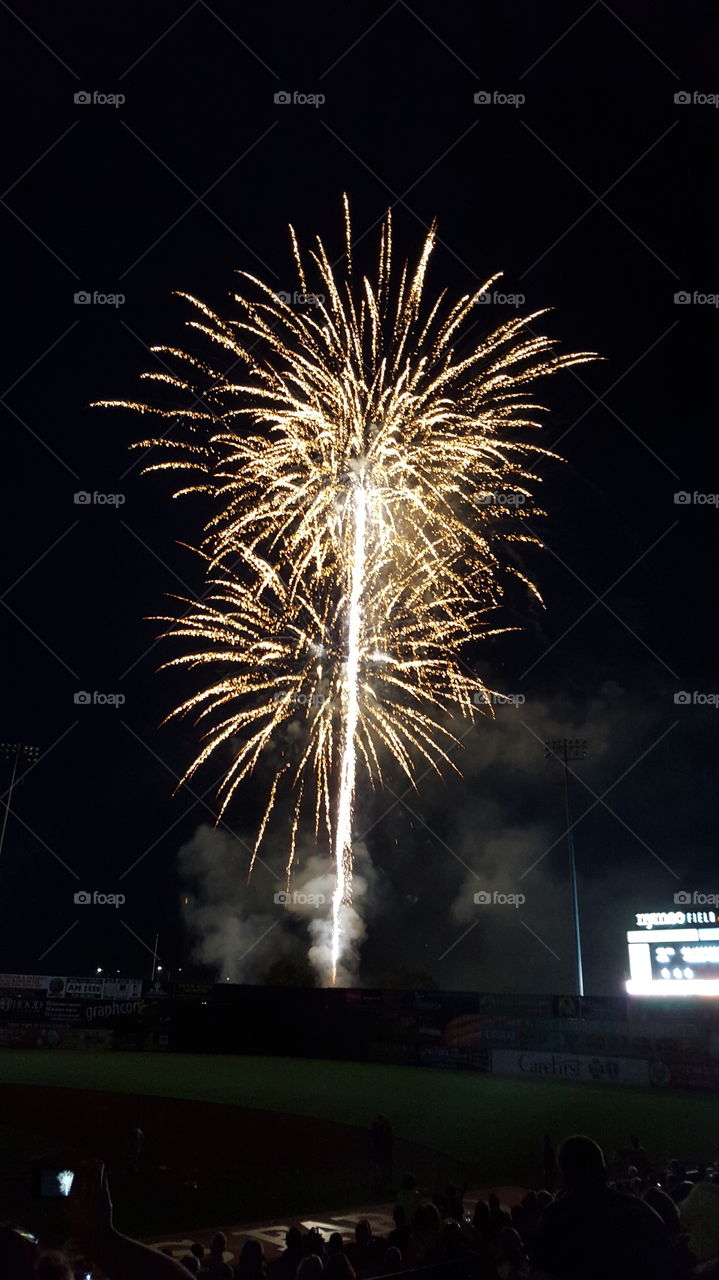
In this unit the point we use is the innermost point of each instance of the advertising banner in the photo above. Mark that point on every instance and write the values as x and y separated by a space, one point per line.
565 1066
43 1036
22 1006
29 982
690 1075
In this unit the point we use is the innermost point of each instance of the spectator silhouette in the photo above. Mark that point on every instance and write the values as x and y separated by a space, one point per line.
314 1243
116 1255
366 1254
393 1259
480 1219
410 1196
594 1233
529 1216
453 1204
549 1164
513 1263
215 1266
451 1240
134 1147
699 1213
498 1217
251 1265
424 1240
639 1157
285 1267
632 1160
18 1254
398 1237
311 1268
339 1267
663 1204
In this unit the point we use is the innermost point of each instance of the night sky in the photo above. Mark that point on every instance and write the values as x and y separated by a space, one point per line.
597 196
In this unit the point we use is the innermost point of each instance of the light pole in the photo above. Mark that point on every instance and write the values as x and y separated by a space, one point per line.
564 750
15 751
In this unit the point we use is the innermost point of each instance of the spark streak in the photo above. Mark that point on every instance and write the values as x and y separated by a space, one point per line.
343 835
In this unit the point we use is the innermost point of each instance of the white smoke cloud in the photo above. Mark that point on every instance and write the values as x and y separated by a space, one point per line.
501 858
352 925
240 927
501 827
230 921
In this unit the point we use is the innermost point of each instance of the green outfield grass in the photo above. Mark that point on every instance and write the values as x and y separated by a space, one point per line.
492 1125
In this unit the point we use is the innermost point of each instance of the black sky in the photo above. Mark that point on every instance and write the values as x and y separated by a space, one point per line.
598 197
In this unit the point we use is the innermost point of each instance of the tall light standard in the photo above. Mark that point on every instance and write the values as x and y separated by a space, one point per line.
564 750
15 751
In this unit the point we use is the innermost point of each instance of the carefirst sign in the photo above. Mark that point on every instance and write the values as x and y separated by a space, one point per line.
570 1066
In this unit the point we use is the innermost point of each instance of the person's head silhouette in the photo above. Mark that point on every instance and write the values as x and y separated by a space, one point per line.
582 1164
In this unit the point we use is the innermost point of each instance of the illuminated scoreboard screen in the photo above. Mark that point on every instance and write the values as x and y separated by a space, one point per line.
674 953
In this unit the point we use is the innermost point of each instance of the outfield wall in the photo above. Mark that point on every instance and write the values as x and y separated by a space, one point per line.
621 1040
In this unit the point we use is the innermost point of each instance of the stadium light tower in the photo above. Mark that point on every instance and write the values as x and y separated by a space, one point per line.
15 751
564 750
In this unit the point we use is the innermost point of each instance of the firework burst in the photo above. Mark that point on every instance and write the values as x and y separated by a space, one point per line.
353 456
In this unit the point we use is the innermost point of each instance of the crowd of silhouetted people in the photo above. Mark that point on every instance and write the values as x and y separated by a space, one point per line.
631 1221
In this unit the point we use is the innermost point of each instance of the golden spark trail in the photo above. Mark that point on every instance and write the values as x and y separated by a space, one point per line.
355 451
343 834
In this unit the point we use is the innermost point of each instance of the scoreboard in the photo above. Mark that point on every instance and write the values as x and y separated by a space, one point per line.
674 953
